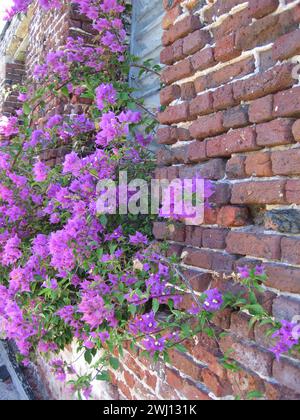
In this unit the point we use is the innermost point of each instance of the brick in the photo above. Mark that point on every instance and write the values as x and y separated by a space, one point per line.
188 91
203 59
276 79
235 141
177 50
199 281
167 55
220 388
225 49
201 105
254 244
249 355
261 110
174 114
194 236
277 392
296 130
262 192
176 72
266 30
286 162
207 126
197 151
233 216
291 250
214 169
293 191
232 23
287 103
186 365
195 41
275 133
259 164
221 195
170 135
185 26
163 231
287 372
209 260
283 277
214 238
235 117
244 382
286 46
201 83
169 94
261 8
232 71
235 167
223 98
170 17
240 325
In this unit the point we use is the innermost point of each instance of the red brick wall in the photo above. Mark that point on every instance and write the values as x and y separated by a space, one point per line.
231 91
232 104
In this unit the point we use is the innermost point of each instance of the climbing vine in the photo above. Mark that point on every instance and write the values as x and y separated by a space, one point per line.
67 271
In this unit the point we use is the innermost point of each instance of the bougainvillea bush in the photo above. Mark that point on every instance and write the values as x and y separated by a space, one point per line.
68 272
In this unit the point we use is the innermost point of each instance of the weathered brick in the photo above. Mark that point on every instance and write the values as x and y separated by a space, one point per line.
207 126
169 94
276 79
162 230
195 41
197 151
287 372
201 105
223 98
174 114
287 103
263 192
291 250
286 162
240 325
249 355
214 238
261 110
296 130
233 216
235 141
261 8
286 46
293 191
235 117
259 164
203 59
283 277
275 133
235 167
226 48
254 244
176 72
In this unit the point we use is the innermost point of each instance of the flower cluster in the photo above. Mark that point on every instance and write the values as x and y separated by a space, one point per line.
67 271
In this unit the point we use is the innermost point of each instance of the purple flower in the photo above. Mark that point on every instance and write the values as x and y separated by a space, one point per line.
138 239
244 272
154 344
259 270
105 94
40 171
213 300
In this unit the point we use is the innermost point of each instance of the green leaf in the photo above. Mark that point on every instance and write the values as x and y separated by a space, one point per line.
155 305
103 376
114 363
26 109
181 348
88 357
